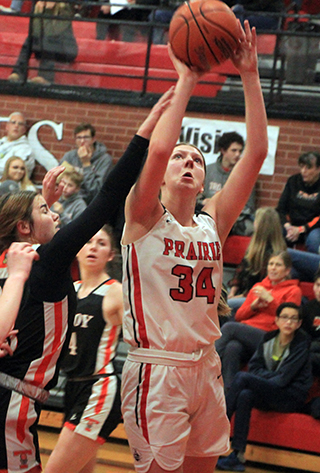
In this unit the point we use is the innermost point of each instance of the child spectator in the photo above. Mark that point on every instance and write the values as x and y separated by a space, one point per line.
15 170
311 324
279 379
70 204
257 314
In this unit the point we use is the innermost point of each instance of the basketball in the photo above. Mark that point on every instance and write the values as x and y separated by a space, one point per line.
204 33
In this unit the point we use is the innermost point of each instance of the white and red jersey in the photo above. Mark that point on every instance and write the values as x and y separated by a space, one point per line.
172 283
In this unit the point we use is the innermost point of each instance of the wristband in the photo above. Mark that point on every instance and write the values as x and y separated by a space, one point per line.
302 229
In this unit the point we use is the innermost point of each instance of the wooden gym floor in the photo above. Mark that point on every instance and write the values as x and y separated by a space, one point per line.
115 456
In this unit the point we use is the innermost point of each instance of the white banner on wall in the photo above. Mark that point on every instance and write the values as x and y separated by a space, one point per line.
205 135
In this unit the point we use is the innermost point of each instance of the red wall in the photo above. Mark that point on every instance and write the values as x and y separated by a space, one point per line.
116 124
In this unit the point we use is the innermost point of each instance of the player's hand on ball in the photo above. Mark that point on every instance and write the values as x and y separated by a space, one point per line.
182 68
246 58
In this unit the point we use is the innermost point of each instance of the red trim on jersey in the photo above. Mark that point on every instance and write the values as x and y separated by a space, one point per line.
69 425
138 300
43 366
108 349
102 397
22 419
143 403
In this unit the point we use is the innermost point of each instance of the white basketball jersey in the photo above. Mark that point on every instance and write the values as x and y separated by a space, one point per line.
172 283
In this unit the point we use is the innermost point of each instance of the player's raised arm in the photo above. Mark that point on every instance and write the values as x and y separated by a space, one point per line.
226 205
143 206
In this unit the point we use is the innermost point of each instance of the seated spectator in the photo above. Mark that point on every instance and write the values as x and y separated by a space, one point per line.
15 170
52 40
89 158
70 204
266 240
15 143
299 204
311 324
278 379
230 146
249 10
239 341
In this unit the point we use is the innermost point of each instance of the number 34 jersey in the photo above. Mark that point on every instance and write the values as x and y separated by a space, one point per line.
172 283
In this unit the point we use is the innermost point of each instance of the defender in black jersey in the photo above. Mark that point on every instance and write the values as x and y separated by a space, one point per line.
45 318
92 394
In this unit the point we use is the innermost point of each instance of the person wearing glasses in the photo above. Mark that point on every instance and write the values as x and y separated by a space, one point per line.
15 143
90 158
278 379
256 316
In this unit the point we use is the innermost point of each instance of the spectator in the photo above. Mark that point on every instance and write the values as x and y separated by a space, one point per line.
250 10
15 170
257 316
279 379
52 40
311 324
70 204
91 159
267 239
230 145
299 204
15 143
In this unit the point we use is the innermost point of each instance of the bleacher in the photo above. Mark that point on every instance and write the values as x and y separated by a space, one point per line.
144 68
136 66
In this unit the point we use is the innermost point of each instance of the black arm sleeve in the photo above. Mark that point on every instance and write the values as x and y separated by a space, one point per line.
103 209
283 204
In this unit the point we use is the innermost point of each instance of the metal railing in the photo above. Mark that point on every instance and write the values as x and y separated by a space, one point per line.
289 69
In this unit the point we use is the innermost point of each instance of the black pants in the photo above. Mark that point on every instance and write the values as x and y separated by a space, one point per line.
46 66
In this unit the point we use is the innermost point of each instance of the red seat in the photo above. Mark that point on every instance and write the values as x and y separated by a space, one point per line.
234 249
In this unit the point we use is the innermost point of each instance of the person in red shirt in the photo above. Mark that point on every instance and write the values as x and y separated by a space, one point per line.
256 316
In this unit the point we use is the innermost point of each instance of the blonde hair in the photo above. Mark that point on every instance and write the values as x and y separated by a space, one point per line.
25 182
267 239
73 175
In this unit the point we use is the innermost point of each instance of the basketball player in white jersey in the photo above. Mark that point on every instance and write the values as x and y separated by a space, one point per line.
172 393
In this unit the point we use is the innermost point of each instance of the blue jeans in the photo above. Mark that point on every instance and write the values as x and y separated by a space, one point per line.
161 16
304 264
261 22
312 241
248 391
235 347
16 5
